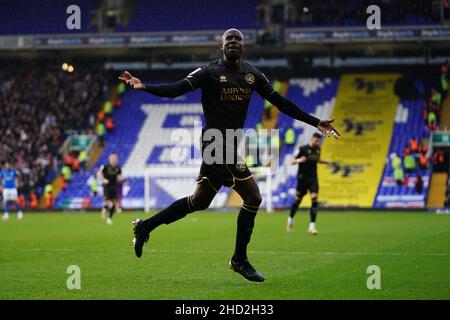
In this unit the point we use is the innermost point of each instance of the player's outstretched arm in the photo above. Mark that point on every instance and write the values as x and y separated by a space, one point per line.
291 109
169 90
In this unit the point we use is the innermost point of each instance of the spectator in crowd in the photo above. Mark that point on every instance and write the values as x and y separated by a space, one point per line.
398 176
419 183
406 150
423 160
68 160
107 108
109 124
75 165
82 158
66 173
101 132
396 161
423 148
436 97
432 119
289 137
48 197
48 188
414 144
33 200
409 162
439 160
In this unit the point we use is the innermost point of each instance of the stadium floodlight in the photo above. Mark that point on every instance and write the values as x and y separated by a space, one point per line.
263 176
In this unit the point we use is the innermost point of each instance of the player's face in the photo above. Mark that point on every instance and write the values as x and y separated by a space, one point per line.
315 142
113 160
7 166
232 43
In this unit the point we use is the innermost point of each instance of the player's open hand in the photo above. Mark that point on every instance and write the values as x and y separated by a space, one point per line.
326 127
130 81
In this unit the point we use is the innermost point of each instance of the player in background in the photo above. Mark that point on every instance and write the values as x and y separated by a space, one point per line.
110 175
307 158
226 86
8 175
118 202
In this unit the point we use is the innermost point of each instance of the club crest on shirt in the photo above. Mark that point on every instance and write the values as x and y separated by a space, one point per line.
240 167
222 78
250 78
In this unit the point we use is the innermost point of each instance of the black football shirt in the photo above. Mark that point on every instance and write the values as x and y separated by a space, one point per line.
111 173
308 169
226 93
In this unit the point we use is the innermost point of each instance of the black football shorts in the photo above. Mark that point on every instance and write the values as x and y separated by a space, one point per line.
305 184
110 192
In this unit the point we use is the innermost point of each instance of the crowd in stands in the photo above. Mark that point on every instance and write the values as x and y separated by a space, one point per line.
432 115
37 107
409 165
105 120
433 105
415 157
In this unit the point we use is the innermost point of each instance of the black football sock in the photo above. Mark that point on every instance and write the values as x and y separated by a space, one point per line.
294 208
112 208
177 210
245 223
314 210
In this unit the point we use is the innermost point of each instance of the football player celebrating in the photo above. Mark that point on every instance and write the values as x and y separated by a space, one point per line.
8 175
307 158
226 86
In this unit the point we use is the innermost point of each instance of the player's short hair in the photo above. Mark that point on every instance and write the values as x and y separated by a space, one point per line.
317 135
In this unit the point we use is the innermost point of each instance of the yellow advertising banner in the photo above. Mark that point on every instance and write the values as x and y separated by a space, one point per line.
364 111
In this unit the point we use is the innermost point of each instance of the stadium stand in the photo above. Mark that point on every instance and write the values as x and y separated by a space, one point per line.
35 113
42 17
190 15
345 13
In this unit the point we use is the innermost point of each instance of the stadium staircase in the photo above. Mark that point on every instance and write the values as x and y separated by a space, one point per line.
436 195
445 113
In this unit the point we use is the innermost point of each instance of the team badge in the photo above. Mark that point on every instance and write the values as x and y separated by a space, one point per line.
222 78
250 78
240 167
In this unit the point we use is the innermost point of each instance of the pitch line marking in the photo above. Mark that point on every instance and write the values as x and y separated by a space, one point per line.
327 253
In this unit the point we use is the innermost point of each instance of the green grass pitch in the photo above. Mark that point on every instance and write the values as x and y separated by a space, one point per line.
189 259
